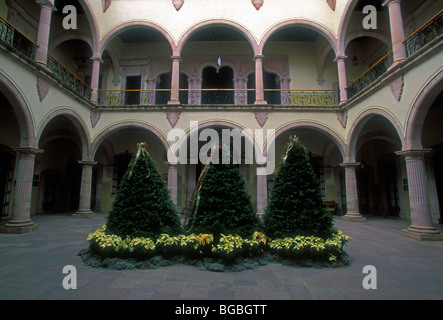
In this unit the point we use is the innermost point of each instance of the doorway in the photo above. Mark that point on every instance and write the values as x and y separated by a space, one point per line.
437 160
133 85
223 79
6 178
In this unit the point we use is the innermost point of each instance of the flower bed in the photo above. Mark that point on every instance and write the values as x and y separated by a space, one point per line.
227 250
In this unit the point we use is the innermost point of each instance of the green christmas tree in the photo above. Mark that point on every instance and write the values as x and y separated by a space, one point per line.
143 206
296 206
221 203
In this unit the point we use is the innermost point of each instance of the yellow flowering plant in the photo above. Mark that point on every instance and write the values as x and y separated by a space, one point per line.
228 247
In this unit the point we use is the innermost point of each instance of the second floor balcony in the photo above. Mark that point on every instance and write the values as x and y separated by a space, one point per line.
240 92
208 97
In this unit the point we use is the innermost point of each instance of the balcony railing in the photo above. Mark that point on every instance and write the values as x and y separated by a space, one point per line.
427 33
153 97
321 98
430 31
372 74
68 79
13 38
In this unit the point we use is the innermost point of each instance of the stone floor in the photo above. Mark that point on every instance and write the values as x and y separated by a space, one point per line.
32 268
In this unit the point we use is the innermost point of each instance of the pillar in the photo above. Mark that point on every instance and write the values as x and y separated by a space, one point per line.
421 222
44 29
175 80
84 210
262 189
20 221
397 29
95 77
259 92
173 183
342 78
353 211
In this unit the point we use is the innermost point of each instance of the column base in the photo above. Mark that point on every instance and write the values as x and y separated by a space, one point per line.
354 217
83 214
261 102
19 228
422 233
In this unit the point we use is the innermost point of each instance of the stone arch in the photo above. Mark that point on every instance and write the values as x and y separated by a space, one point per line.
100 137
93 25
70 35
213 23
131 25
358 124
22 111
334 136
419 110
344 23
326 33
78 123
380 35
249 135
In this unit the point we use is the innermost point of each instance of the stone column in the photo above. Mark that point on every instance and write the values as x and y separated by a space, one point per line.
84 210
173 183
353 211
44 29
262 189
421 223
397 29
21 211
95 77
259 93
175 80
342 78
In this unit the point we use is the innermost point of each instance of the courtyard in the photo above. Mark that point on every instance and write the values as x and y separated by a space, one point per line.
32 269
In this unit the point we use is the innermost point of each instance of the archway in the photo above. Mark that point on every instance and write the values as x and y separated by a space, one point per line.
432 139
114 148
218 56
16 130
220 83
326 150
64 138
374 140
301 54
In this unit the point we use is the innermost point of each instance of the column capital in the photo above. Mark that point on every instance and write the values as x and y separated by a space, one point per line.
176 57
388 2
350 164
258 56
340 57
95 58
87 162
47 3
27 150
413 152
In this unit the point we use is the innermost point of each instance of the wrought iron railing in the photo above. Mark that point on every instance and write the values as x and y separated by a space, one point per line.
147 97
68 79
153 97
302 97
372 74
13 38
424 35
